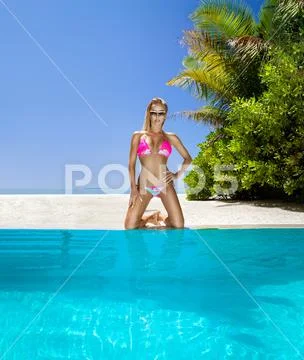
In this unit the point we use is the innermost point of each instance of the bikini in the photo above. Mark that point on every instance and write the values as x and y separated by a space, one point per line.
143 149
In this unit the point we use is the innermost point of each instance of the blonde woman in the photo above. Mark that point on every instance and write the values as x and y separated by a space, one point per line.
152 145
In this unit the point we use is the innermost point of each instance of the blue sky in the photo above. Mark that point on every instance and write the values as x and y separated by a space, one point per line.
68 67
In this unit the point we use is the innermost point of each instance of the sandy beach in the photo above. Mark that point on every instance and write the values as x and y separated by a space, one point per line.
108 211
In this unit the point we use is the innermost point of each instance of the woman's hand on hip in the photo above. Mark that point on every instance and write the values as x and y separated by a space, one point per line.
169 176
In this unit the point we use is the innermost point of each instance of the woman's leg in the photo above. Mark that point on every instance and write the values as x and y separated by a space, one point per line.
133 219
171 203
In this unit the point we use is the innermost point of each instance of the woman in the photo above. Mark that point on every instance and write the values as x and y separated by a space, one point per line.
153 146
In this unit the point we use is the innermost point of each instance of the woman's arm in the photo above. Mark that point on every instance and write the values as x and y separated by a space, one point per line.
177 143
132 158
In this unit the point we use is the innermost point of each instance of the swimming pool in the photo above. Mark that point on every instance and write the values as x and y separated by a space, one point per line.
152 294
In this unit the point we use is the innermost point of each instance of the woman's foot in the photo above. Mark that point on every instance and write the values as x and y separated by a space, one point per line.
157 219
153 218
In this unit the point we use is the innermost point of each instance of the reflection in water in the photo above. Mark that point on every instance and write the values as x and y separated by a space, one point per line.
158 265
151 291
154 250
65 248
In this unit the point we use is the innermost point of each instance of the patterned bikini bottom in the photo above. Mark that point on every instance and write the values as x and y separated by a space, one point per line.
154 190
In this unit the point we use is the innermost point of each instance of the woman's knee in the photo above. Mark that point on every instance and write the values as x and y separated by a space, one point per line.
177 223
131 224
130 227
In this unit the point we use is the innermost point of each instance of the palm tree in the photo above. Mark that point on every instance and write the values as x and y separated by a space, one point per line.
225 51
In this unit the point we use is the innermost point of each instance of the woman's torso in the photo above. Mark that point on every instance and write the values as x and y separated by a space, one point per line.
153 152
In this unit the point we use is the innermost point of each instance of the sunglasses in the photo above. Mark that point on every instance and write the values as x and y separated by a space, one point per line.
157 113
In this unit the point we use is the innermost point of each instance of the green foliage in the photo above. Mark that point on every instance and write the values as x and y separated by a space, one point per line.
262 138
225 40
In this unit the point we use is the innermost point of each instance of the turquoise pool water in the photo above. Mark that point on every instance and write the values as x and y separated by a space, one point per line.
153 294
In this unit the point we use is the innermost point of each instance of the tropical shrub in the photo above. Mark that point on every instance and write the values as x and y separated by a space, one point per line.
262 139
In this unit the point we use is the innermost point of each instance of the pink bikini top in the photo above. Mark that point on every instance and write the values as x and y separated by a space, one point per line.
144 149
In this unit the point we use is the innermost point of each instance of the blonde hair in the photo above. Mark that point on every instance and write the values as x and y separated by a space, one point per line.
147 121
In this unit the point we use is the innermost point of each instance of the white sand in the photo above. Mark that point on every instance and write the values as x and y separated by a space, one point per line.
108 212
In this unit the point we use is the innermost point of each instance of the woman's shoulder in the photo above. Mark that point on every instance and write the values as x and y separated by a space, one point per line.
169 134
136 136
172 137
138 133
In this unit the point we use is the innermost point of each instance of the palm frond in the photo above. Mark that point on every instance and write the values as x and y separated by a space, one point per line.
247 48
209 52
201 43
194 80
206 114
266 16
227 18
202 83
289 9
